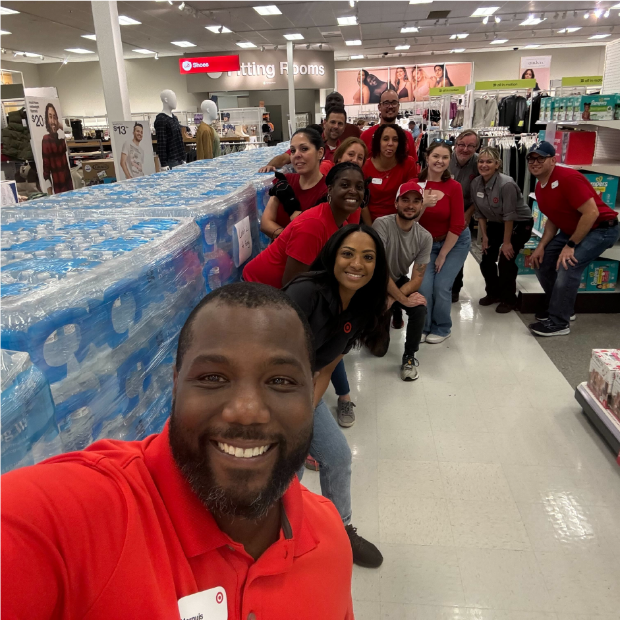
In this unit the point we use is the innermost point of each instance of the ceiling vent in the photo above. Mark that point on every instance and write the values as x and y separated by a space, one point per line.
438 15
332 33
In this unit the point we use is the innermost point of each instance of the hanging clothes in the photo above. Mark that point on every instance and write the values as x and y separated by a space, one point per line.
512 113
486 113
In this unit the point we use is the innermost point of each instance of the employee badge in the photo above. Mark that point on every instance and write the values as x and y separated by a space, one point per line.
206 605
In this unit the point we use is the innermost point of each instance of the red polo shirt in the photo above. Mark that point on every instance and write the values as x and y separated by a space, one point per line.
115 531
566 191
367 135
308 198
302 240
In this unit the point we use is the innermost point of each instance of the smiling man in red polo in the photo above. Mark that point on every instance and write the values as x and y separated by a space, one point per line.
206 519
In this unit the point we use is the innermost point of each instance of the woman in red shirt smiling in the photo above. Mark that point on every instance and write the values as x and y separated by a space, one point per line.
387 171
308 183
445 220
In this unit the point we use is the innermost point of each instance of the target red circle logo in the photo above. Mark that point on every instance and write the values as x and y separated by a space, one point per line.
219 598
495 200
347 327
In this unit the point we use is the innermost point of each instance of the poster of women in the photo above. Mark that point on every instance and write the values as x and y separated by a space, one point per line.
412 83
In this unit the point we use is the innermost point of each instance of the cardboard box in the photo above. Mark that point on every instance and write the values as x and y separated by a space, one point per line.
524 261
575 147
602 275
605 185
97 171
597 107
614 399
604 370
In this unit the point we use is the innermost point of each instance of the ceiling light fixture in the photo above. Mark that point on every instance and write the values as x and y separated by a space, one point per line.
599 36
270 9
5 11
320 46
246 44
462 35
143 51
420 1
218 29
353 42
606 14
568 30
294 37
498 41
74 50
598 13
357 57
531 47
92 37
123 20
181 6
352 3
498 19
532 20
347 21
485 20
4 32
481 12
586 15
409 29
458 50
402 47
156 55
183 43
65 61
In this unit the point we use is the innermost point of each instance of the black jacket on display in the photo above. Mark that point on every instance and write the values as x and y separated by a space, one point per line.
512 113
170 146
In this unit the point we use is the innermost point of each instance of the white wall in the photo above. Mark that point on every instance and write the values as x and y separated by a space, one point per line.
565 62
30 72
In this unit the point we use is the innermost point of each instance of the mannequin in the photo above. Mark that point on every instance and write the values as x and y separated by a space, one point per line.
170 145
207 140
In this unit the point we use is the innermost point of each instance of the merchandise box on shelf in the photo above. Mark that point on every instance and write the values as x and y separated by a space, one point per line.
98 171
523 260
605 185
598 107
604 370
601 275
574 148
614 398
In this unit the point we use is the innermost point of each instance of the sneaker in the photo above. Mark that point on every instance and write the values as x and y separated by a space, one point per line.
397 319
435 339
408 370
346 416
312 464
423 338
364 553
544 316
455 297
504 308
547 328
487 300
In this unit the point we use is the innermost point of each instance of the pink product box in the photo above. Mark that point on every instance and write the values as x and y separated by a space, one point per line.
604 370
614 399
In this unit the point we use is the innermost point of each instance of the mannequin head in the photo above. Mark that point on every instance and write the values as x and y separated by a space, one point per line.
209 111
169 100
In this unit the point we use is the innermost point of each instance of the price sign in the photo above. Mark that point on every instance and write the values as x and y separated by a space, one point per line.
447 90
505 84
121 130
584 80
242 241
37 120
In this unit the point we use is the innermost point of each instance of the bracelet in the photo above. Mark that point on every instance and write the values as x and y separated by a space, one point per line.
273 235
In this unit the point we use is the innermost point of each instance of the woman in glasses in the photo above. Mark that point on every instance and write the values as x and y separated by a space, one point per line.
386 171
506 223
444 219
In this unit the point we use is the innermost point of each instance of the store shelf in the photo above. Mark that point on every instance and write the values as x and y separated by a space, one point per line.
604 421
613 253
532 195
600 166
610 124
537 232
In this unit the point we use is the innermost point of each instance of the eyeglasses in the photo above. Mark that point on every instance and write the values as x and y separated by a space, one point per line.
389 104
536 160
446 142
469 147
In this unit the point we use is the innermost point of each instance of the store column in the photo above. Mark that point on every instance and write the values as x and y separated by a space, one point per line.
291 89
111 61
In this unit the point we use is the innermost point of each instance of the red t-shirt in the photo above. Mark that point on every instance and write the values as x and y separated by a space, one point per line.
350 131
566 191
367 135
115 531
448 215
303 240
308 198
384 185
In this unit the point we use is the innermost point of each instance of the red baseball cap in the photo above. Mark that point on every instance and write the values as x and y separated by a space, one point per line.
409 186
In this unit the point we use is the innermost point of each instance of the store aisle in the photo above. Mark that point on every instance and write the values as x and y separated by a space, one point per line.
483 484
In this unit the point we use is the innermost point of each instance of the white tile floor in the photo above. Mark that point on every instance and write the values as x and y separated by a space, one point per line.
488 493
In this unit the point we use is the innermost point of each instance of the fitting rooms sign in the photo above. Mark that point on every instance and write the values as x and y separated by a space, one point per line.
269 70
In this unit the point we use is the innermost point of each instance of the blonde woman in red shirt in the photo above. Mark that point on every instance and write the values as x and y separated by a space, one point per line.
444 219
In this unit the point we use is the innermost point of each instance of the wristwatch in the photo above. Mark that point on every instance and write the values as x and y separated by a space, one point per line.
571 244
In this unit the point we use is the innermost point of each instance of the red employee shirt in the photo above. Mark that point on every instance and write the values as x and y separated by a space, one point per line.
367 135
115 531
308 198
448 215
303 240
350 131
566 191
384 185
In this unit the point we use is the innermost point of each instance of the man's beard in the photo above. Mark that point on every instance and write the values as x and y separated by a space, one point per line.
237 501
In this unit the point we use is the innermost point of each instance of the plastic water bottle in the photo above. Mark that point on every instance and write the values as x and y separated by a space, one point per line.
214 278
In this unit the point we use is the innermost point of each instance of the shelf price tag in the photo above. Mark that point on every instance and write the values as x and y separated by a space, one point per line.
505 84
242 241
447 90
584 80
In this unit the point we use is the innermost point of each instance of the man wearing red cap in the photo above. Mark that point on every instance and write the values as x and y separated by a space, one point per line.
406 243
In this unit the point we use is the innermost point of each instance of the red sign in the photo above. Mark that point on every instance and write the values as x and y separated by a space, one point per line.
208 64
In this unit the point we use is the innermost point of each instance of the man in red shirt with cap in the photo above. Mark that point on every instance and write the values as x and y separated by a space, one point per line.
579 229
205 520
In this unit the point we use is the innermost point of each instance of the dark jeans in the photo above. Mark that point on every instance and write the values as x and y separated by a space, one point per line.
339 379
501 278
458 281
561 286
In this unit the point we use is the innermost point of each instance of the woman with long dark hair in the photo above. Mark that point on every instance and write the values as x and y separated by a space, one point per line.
441 76
445 220
528 74
364 88
387 171
343 296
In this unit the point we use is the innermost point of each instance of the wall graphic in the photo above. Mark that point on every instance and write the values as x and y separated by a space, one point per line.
132 148
536 68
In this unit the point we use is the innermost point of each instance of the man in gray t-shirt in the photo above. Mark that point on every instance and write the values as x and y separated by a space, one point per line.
406 243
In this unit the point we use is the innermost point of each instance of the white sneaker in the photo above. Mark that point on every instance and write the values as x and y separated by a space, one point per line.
423 339
435 339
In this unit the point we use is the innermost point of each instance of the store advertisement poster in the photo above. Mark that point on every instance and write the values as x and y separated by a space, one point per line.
411 82
132 148
536 68
47 137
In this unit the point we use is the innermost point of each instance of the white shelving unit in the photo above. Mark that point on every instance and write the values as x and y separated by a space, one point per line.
603 419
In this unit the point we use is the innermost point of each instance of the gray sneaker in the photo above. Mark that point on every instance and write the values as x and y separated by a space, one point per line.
346 415
408 370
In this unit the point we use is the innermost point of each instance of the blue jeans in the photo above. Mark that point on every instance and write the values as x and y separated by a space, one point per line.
331 450
339 379
561 286
437 287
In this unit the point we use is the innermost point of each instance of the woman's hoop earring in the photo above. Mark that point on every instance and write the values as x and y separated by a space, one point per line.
329 198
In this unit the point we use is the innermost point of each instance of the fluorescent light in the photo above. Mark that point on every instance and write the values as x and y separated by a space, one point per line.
615 6
76 50
246 44
409 29
485 11
218 29
347 21
358 57
464 35
143 51
498 41
530 47
354 42
92 37
568 30
123 20
270 9
599 36
532 21
4 32
294 37
458 50
5 11
33 55
420 1
183 43
402 47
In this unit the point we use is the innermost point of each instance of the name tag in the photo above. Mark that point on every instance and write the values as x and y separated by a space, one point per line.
554 184
206 605
480 194
377 181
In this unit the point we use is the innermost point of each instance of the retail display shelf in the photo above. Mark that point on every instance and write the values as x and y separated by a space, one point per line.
613 253
537 232
610 124
603 419
601 166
